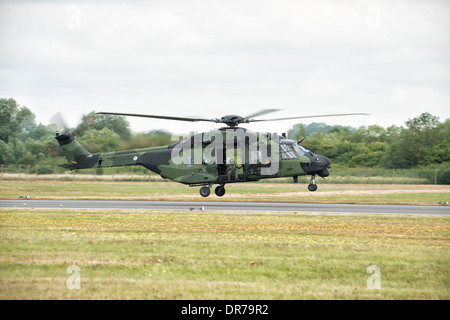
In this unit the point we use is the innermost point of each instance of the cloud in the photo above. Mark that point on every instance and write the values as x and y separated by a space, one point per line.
212 58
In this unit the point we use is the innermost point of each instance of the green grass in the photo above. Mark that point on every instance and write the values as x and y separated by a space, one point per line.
376 194
217 255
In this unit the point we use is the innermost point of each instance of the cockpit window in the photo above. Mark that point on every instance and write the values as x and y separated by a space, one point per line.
291 150
301 150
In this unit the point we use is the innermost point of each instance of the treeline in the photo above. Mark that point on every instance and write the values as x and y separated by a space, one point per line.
423 142
24 142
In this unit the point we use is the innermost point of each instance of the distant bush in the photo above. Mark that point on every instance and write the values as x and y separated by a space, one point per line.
441 174
45 170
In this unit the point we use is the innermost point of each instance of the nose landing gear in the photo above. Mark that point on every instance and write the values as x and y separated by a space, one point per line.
312 184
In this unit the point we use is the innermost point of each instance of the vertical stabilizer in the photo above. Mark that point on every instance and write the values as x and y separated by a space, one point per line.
70 147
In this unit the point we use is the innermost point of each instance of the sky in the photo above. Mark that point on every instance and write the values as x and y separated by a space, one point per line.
209 58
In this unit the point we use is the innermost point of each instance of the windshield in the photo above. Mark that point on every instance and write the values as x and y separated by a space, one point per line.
301 150
289 149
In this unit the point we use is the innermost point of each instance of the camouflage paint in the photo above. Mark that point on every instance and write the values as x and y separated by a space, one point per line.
165 160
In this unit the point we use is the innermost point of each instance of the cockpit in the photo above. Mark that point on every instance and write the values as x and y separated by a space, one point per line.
289 149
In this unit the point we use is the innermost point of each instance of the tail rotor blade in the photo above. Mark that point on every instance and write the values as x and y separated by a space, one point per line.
59 120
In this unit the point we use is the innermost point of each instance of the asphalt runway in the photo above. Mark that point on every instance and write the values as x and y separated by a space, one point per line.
226 206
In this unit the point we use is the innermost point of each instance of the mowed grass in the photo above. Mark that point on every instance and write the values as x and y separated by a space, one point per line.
289 192
221 255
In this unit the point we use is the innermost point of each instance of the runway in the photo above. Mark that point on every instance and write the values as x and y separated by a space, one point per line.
225 206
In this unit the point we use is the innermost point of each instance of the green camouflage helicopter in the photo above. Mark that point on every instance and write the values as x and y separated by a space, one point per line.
227 155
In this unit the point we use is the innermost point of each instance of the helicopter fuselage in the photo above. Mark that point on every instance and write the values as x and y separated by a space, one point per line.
226 155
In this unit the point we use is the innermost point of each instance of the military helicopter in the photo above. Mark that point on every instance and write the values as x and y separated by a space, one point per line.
230 154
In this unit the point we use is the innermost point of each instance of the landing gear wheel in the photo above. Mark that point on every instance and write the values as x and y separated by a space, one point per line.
220 191
312 184
205 191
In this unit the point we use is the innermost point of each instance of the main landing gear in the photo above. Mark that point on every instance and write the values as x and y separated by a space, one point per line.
312 184
220 190
206 190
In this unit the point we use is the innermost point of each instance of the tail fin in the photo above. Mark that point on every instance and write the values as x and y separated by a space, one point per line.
71 148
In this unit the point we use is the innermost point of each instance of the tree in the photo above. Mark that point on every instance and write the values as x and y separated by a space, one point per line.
6 153
439 150
422 123
12 118
103 140
117 124
154 138
297 132
416 144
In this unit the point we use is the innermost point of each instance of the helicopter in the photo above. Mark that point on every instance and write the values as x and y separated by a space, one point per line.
230 154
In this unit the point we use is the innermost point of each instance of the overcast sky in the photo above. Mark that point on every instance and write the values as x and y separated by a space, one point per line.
211 58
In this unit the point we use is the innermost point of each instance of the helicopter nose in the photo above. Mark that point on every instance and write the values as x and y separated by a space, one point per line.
325 164
320 161
316 165
321 165
326 161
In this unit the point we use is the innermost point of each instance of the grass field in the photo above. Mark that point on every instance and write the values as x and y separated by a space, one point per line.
133 254
217 255
377 194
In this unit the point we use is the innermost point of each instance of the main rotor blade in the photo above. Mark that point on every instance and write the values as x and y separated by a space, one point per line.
157 117
261 112
315 116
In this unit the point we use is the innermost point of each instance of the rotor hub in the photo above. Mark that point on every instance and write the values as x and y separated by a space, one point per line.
232 120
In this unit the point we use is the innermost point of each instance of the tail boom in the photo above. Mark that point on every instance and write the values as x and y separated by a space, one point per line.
79 158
